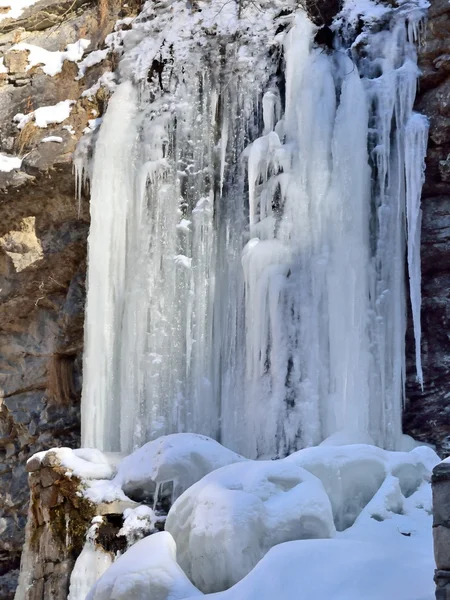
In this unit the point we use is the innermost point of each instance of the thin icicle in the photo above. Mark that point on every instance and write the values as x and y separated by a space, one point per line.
416 137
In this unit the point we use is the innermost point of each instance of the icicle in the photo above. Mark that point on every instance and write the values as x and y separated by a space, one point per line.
416 136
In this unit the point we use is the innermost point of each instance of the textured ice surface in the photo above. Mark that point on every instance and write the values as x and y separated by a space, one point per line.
224 524
147 571
246 274
89 566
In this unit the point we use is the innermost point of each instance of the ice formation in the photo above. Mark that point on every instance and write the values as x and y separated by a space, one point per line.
89 566
249 225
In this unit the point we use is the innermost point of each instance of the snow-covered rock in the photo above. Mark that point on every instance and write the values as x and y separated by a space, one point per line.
353 474
224 524
147 571
164 468
85 463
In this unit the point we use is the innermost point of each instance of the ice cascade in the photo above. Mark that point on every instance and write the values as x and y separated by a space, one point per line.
255 197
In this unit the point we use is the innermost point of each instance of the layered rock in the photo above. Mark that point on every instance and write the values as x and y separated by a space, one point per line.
427 411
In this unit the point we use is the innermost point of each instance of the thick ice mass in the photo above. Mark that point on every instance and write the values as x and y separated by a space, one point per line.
249 226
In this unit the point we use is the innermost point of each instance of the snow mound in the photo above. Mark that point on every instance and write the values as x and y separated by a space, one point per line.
337 569
147 571
353 474
163 469
224 524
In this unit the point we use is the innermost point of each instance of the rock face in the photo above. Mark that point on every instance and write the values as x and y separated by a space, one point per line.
427 411
43 233
58 519
441 529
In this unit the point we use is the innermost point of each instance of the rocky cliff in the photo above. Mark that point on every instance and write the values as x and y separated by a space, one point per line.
427 411
43 233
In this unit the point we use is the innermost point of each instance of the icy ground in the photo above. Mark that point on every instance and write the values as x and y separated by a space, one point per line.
349 522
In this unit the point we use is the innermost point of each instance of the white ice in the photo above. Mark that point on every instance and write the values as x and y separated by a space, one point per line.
276 319
89 566
52 138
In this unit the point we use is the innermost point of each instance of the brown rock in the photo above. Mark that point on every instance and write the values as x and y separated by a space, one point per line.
16 61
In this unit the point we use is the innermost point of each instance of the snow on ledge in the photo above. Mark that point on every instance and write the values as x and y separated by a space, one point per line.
46 115
52 138
9 163
86 463
52 62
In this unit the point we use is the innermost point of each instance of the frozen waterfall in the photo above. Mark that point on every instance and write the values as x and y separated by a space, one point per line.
255 204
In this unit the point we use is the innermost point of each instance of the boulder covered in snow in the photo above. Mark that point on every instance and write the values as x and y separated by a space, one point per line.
353 474
163 469
147 571
224 524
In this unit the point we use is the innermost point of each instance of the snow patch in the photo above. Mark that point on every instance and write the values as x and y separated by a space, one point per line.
9 163
93 58
16 8
52 138
46 115
166 467
52 62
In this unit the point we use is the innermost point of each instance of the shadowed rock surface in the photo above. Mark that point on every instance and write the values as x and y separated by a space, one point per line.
427 412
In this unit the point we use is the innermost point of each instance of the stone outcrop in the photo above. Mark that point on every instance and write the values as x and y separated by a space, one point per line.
58 519
427 412
43 233
441 529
